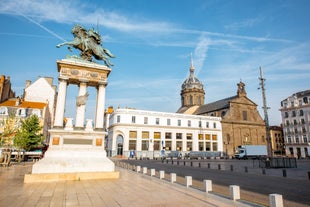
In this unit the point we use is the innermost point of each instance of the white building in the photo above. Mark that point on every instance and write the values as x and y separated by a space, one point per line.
295 112
42 90
149 132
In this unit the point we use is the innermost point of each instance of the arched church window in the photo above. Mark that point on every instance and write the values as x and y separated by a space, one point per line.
191 100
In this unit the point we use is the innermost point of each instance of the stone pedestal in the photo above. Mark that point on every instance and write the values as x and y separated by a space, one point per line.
76 152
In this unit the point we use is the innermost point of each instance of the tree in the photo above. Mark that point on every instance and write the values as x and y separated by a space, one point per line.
29 134
9 132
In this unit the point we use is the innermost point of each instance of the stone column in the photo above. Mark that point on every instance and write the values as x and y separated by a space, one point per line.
81 106
100 106
61 102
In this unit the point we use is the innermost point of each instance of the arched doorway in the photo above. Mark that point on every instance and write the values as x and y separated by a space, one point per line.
119 144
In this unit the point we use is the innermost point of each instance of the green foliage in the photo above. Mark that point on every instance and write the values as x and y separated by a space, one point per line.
9 132
28 135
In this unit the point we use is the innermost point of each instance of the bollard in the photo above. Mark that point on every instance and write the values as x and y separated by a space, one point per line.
188 181
191 164
152 172
173 177
246 169
178 162
199 164
161 174
284 173
264 171
209 165
231 168
138 168
207 185
167 161
184 163
275 200
309 175
219 166
144 170
234 192
162 161
172 162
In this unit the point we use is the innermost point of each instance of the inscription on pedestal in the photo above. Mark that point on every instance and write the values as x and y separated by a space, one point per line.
78 141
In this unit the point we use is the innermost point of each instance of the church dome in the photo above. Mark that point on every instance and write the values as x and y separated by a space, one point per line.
192 82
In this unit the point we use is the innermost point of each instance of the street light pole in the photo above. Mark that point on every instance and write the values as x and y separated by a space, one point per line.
262 84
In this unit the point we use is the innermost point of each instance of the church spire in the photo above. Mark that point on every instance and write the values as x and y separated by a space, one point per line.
191 68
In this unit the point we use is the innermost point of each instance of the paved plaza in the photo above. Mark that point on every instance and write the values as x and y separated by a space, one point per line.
131 189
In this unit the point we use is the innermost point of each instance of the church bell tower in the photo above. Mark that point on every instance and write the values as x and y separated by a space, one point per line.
192 92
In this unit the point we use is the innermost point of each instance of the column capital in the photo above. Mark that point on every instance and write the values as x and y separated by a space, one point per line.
102 83
83 80
63 78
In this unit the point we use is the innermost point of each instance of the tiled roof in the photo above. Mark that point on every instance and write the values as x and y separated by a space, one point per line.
214 106
24 104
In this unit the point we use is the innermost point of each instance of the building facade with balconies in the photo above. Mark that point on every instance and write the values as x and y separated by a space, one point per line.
295 112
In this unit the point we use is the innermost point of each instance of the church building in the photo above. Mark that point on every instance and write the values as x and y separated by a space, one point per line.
241 121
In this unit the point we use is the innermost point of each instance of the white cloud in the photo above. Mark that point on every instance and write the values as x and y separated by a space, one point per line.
200 53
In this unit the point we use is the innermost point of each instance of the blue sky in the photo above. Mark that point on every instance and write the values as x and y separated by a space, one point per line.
152 41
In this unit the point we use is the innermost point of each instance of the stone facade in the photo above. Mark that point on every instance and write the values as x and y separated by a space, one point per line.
241 121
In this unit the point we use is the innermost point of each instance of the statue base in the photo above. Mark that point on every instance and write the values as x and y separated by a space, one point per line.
73 155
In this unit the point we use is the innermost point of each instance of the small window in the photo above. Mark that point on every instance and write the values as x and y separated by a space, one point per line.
145 120
156 135
168 122
285 115
132 134
189 136
145 135
168 135
214 125
189 123
133 119
293 113
207 124
301 112
179 122
245 115
157 121
200 125
118 118
179 136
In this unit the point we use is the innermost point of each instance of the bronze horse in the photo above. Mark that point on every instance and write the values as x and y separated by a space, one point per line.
89 43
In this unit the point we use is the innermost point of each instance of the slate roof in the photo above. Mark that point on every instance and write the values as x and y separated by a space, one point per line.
214 106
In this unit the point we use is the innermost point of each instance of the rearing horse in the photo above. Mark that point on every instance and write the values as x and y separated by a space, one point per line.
89 43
